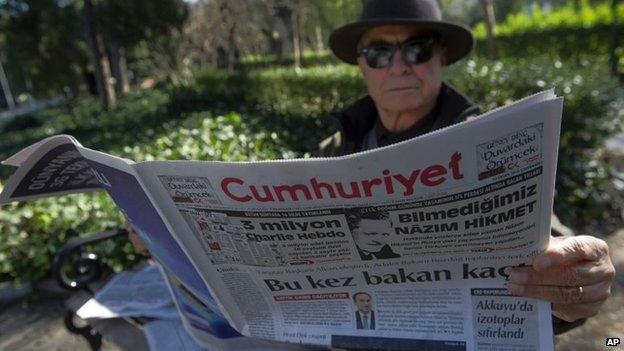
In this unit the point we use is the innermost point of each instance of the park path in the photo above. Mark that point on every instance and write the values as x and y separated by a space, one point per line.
38 326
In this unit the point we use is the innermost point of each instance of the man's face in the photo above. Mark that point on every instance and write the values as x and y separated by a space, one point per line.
364 303
372 234
401 87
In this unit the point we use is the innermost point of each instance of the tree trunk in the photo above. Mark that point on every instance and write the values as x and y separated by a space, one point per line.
490 21
119 67
284 15
613 43
320 47
6 89
100 60
279 49
232 48
276 43
123 73
296 38
577 5
227 20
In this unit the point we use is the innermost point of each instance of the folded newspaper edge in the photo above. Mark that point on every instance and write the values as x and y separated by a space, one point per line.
402 247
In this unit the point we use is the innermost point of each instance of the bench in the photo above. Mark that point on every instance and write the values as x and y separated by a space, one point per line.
83 273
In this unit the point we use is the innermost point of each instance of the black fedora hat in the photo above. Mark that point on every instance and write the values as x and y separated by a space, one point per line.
417 13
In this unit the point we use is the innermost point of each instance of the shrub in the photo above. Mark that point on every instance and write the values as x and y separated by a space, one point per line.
90 122
567 16
33 232
566 31
296 104
309 59
203 137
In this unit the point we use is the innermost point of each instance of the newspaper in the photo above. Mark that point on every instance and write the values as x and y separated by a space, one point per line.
143 293
208 328
402 247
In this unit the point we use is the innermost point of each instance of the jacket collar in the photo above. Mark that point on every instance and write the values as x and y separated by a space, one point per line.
452 107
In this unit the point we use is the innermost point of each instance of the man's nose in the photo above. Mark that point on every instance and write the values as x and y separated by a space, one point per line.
398 64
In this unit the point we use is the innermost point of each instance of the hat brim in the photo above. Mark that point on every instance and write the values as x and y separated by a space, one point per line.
457 38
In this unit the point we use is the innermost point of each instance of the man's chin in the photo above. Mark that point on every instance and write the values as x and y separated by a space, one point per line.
403 101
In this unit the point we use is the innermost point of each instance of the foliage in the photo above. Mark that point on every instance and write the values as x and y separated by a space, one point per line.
92 124
461 11
37 34
308 59
201 136
586 15
280 97
471 11
130 22
565 31
31 233
45 48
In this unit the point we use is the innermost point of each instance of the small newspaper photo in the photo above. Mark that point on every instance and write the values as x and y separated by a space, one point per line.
405 247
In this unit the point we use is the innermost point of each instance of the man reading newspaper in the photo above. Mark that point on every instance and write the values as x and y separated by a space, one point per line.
447 234
401 48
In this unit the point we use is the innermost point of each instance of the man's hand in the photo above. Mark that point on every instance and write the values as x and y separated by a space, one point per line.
137 243
574 274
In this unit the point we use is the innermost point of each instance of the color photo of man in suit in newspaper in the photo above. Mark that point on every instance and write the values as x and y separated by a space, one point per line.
364 316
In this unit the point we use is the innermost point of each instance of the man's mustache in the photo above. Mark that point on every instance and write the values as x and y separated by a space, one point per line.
403 86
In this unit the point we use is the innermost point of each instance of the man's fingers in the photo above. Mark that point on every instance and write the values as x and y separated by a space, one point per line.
570 313
569 250
581 274
564 295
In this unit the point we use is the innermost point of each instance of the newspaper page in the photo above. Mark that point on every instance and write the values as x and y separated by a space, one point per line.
404 247
210 329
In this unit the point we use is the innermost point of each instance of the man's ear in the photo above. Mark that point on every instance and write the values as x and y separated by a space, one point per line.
444 56
361 62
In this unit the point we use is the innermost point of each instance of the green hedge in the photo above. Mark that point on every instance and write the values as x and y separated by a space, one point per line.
92 124
567 16
32 233
565 31
563 42
284 113
309 59
295 103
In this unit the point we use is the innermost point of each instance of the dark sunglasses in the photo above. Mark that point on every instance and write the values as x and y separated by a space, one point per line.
414 51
